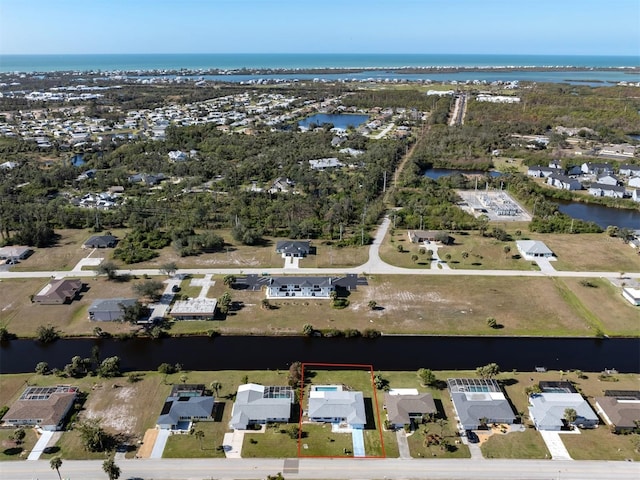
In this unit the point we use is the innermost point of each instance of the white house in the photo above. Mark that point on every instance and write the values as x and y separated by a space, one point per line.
538 171
332 404
300 287
563 182
635 195
629 170
596 168
547 410
177 156
324 163
609 179
603 190
257 404
634 182
632 295
531 249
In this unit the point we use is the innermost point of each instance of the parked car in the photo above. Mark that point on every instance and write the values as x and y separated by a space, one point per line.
472 436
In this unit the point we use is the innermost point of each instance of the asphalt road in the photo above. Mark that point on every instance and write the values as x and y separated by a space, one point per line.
179 469
373 266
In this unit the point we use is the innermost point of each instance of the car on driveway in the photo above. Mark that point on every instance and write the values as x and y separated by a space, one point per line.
472 436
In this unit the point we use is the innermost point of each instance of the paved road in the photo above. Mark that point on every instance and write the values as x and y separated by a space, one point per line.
178 469
374 265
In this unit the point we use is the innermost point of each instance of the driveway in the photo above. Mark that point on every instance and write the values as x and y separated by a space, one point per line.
545 265
357 438
554 444
403 444
161 442
232 444
46 437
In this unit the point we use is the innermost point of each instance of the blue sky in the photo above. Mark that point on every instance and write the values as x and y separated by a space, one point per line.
581 27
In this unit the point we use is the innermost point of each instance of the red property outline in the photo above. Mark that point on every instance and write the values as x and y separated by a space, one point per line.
352 366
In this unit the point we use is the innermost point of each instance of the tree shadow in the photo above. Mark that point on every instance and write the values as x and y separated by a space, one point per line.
13 451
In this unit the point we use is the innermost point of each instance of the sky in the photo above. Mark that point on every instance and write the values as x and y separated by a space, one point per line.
563 27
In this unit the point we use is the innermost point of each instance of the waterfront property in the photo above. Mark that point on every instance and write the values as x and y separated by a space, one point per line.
293 248
408 407
333 404
43 407
257 404
539 171
548 410
532 249
606 190
194 309
185 404
58 292
478 402
620 409
110 309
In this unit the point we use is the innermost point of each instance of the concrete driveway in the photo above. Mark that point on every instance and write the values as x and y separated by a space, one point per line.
161 442
232 444
554 444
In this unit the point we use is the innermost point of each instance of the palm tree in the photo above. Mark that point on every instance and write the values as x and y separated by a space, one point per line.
55 463
111 469
215 387
229 280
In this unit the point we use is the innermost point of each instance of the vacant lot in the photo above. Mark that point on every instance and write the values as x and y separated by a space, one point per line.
527 444
63 256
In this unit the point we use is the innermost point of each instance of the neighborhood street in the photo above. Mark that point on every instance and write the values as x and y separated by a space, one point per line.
192 469
374 266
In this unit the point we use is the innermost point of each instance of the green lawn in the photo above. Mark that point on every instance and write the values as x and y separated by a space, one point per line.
419 449
274 442
527 444
9 450
601 444
189 446
320 441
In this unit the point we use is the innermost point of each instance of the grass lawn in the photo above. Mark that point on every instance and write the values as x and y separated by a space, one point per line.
320 441
419 449
605 302
272 443
527 444
9 450
188 446
330 256
70 447
601 444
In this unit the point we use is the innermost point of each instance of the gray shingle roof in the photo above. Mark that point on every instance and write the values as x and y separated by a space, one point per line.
338 404
176 409
547 409
399 407
256 403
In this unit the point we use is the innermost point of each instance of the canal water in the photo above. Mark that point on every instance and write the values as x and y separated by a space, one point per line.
436 173
339 120
600 214
384 353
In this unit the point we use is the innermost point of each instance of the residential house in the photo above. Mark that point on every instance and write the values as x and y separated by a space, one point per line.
556 164
422 236
609 179
532 249
620 410
479 401
302 287
603 190
293 248
281 184
407 406
8 165
596 168
632 295
634 182
58 292
101 241
635 195
14 253
618 150
257 404
194 309
563 182
324 163
629 170
44 407
333 404
574 170
148 179
177 156
538 171
185 404
109 309
547 410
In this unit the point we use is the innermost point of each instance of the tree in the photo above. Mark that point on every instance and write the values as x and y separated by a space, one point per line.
215 387
229 280
92 435
19 435
308 330
507 250
184 378
110 367
55 463
169 268
380 382
277 476
414 258
225 302
427 377
373 304
492 322
108 268
264 303
149 288
465 255
111 469
295 375
570 415
199 434
42 368
4 334
47 334
166 369
488 371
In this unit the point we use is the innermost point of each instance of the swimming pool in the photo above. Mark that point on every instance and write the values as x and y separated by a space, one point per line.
325 389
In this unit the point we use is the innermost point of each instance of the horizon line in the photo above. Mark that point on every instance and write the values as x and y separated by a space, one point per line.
334 53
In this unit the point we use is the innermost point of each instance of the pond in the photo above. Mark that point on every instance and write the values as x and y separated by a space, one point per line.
339 120
436 173
600 214
385 353
77 160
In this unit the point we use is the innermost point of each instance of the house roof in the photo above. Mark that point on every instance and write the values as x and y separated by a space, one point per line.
47 405
194 306
176 409
13 251
338 404
300 247
472 406
302 281
111 304
562 178
603 186
101 240
257 403
60 289
548 408
623 412
533 247
400 407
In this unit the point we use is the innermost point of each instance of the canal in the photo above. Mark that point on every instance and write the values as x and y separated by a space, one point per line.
384 353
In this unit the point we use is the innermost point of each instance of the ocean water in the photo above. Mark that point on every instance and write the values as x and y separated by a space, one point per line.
135 62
